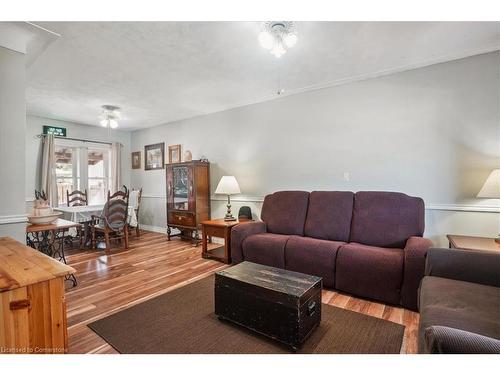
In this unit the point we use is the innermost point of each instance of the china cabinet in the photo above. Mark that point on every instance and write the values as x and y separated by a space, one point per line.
188 198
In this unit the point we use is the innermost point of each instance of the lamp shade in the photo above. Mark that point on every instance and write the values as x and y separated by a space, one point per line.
228 185
491 188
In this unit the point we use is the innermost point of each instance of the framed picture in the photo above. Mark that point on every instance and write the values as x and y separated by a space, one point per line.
174 154
154 156
136 160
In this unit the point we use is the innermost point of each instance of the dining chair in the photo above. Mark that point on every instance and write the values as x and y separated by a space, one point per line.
73 199
112 223
135 202
77 198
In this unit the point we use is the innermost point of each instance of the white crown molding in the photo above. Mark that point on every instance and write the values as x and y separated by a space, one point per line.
13 219
342 81
26 38
431 207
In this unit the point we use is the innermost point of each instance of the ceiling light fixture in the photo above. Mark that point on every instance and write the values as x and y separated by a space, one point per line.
110 116
277 36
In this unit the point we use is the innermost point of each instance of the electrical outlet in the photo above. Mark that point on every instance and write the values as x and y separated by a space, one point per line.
347 176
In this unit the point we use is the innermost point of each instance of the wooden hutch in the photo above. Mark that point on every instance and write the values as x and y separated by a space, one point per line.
32 305
188 198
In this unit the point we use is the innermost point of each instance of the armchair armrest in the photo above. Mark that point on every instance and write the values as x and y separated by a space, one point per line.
239 233
414 267
481 267
447 340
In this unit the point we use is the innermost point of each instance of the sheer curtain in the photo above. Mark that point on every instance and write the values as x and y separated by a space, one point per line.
116 166
48 175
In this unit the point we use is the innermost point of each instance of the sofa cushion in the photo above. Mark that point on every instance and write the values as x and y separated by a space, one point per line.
313 257
329 215
386 219
285 212
458 304
371 272
446 340
265 248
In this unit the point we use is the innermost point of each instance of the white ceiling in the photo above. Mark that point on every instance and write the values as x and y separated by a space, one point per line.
160 72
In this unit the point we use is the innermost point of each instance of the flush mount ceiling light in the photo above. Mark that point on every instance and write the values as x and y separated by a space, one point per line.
277 36
110 116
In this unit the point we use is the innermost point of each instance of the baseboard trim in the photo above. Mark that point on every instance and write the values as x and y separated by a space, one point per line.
13 219
152 228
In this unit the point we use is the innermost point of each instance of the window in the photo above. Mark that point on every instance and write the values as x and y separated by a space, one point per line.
98 166
81 166
67 180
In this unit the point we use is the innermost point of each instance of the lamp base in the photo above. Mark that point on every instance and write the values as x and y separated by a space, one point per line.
229 216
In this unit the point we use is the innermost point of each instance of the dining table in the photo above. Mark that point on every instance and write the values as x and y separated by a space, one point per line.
83 215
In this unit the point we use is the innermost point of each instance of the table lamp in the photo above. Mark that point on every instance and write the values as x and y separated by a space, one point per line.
228 185
491 189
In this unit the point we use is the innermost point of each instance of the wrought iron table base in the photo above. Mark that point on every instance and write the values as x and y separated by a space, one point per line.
51 243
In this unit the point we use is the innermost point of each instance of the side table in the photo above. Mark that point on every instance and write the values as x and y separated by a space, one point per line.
217 228
472 243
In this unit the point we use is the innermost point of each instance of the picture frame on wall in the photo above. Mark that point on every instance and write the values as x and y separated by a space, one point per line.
154 156
174 154
136 160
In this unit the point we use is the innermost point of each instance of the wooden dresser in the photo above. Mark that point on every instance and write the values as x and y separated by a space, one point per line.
32 306
188 198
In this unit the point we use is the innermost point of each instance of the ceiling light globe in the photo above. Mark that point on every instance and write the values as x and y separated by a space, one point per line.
290 40
104 122
278 50
266 40
113 124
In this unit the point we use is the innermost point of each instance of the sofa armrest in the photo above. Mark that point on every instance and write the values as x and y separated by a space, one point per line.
239 233
479 267
414 267
447 340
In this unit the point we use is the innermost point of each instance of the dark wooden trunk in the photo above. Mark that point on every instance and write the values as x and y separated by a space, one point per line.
280 304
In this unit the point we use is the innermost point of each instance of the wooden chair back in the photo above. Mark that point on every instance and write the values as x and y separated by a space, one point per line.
76 198
116 210
120 194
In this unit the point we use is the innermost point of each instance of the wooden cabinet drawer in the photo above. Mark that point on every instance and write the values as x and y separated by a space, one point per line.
214 231
187 219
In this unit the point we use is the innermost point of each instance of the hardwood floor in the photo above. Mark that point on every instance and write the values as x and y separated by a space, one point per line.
153 266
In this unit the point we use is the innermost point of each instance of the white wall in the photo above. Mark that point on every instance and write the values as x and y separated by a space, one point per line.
12 136
432 132
34 127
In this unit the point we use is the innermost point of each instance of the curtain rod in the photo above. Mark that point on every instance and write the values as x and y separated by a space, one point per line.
76 139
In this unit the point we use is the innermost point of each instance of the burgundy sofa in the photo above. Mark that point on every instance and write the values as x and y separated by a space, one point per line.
367 243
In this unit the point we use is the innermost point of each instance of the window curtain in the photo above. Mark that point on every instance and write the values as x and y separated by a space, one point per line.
116 166
48 175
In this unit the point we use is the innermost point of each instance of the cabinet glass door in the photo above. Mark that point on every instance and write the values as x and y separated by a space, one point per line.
180 188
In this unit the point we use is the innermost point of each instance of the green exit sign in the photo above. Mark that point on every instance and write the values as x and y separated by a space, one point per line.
57 131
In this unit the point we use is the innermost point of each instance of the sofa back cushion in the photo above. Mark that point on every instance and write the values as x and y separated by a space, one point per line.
285 212
386 219
329 215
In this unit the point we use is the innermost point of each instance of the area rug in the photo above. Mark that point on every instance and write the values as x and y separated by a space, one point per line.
182 321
